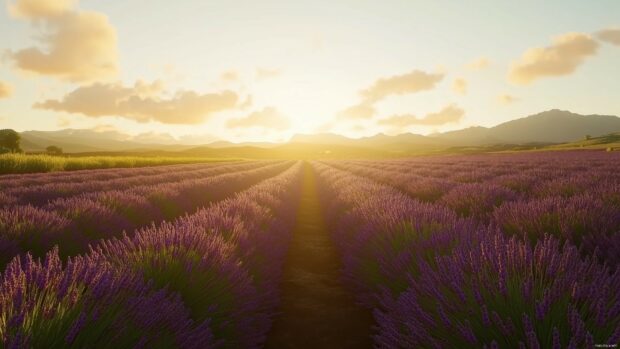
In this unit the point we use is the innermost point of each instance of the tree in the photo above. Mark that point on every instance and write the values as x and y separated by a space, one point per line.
9 139
588 137
54 150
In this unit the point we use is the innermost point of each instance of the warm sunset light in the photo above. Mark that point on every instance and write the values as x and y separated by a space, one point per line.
309 174
264 71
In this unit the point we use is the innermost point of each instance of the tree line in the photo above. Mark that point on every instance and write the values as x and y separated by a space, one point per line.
10 143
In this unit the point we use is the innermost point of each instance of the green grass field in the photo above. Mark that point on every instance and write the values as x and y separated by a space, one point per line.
25 163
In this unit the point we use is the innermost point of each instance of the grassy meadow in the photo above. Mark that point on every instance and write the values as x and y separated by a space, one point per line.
33 163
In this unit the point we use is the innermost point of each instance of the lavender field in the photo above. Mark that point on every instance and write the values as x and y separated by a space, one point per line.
515 250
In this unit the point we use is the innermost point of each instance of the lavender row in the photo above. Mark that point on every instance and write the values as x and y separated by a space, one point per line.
564 180
584 210
30 179
75 222
457 165
481 168
437 280
424 188
42 194
88 302
206 280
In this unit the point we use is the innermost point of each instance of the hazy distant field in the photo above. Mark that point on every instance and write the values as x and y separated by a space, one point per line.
449 251
23 163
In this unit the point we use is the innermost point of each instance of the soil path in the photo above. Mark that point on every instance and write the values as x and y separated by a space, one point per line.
316 311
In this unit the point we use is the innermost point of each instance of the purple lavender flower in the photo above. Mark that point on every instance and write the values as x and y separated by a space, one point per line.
99 302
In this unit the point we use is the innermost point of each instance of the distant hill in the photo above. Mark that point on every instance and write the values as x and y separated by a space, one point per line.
539 130
290 150
85 140
611 140
398 143
553 126
226 144
477 135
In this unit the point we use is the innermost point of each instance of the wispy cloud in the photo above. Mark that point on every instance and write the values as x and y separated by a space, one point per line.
266 73
358 111
610 36
459 86
562 57
268 118
507 99
449 114
63 122
478 64
75 45
229 76
40 8
412 82
142 102
6 90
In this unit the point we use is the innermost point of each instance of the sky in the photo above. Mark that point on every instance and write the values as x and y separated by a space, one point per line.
203 70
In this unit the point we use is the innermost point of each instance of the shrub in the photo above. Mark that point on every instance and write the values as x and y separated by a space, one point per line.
584 220
87 303
199 266
504 293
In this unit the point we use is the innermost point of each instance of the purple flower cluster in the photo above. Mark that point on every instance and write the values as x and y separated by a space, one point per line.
585 220
51 186
87 303
497 259
505 293
28 228
477 200
225 261
207 279
574 196
74 222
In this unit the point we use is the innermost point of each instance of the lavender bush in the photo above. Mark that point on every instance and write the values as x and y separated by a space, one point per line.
87 303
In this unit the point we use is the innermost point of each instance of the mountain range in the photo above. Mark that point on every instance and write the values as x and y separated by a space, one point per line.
549 127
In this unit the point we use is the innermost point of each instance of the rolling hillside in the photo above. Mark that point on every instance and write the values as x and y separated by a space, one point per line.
544 129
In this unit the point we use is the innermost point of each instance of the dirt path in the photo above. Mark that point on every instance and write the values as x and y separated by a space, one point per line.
317 311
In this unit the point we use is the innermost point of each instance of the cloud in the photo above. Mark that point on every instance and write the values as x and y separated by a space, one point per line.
358 128
268 118
105 128
610 36
63 122
246 103
415 81
449 114
459 86
356 112
507 99
562 57
229 76
40 8
325 127
478 64
142 102
154 137
76 46
265 73
6 90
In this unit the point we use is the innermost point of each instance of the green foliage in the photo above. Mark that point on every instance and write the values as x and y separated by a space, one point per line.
9 139
23 163
54 150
